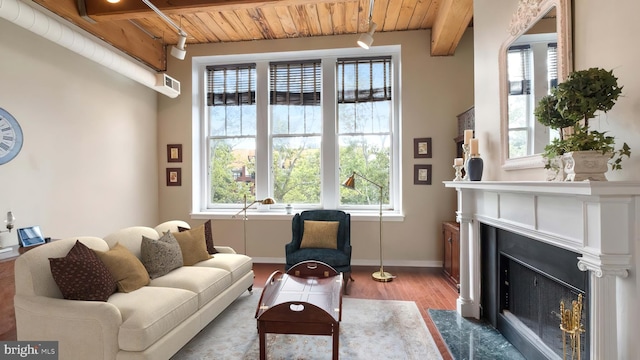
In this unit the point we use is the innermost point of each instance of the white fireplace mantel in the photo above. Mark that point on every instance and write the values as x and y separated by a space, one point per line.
598 220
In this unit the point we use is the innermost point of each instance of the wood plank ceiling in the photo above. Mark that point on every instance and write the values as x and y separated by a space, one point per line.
134 28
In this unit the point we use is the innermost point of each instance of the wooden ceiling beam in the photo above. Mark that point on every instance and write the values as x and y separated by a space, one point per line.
101 10
120 34
450 24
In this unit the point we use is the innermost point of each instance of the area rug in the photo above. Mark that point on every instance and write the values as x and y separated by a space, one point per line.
370 329
472 339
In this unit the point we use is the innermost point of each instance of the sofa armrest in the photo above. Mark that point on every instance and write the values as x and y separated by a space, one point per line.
83 329
225 249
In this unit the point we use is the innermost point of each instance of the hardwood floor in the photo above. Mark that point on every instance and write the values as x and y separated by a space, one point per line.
426 286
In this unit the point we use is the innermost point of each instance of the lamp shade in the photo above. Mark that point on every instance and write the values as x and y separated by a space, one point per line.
365 41
9 221
350 183
268 201
178 53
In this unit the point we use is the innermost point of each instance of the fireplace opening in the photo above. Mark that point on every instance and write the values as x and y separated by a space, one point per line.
523 283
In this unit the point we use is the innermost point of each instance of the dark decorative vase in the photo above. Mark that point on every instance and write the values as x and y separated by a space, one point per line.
475 168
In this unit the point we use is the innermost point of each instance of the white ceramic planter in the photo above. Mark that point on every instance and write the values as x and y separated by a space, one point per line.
585 165
556 172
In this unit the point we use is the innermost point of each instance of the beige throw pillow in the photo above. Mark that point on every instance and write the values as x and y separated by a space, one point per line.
193 245
126 269
320 234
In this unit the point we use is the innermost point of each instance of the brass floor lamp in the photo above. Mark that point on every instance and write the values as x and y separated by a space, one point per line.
265 201
350 183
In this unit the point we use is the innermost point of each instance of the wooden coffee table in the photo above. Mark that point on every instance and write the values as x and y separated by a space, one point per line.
307 300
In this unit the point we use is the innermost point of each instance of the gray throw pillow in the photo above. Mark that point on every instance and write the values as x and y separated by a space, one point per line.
160 256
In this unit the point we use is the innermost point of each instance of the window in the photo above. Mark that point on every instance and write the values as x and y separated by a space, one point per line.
532 72
552 65
519 61
231 115
295 126
364 126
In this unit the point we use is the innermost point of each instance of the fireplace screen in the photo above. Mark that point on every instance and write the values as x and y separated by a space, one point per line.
531 301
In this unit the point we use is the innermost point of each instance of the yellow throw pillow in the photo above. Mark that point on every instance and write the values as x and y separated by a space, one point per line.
126 269
320 234
193 245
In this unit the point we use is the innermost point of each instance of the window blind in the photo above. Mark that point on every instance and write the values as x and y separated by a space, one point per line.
357 83
229 85
552 65
519 64
295 83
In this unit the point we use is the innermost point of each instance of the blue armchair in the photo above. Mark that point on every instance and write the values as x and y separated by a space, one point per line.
339 258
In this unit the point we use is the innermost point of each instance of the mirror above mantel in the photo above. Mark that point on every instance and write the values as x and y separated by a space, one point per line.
534 58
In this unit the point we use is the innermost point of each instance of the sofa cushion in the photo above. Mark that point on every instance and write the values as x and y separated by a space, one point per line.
206 282
335 258
160 256
126 268
131 237
237 264
320 234
208 236
81 275
150 312
192 245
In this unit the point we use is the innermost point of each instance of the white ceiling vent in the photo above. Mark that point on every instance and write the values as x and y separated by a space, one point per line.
167 85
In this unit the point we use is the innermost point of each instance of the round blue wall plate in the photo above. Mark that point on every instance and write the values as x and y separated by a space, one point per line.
10 137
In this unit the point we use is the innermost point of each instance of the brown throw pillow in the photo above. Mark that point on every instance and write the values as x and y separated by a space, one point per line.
320 234
81 275
208 237
160 256
192 245
126 268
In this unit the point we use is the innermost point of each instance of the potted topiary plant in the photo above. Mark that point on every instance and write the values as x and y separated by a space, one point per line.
585 153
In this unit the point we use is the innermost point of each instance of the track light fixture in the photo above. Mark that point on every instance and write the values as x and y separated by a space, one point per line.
178 50
366 39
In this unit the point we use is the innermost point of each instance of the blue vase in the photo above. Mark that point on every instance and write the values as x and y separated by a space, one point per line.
475 168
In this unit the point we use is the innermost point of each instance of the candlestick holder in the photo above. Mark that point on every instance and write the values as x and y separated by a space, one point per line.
466 151
458 172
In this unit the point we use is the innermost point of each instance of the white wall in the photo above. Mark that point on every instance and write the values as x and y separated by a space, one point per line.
605 35
434 91
89 161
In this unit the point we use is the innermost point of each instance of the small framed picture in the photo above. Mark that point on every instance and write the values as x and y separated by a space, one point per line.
422 148
174 177
174 153
422 174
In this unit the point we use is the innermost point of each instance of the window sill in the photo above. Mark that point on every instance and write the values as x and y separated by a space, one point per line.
279 215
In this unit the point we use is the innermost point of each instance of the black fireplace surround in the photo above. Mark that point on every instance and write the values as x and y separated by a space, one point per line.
522 284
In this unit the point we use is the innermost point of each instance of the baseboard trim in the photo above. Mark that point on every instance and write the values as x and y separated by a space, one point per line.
364 262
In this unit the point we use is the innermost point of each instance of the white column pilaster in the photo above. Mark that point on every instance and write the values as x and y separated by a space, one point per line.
465 304
603 325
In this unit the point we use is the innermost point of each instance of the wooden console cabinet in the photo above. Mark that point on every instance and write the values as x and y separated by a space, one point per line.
7 291
451 241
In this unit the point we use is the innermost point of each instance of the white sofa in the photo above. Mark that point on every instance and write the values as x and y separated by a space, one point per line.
152 322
